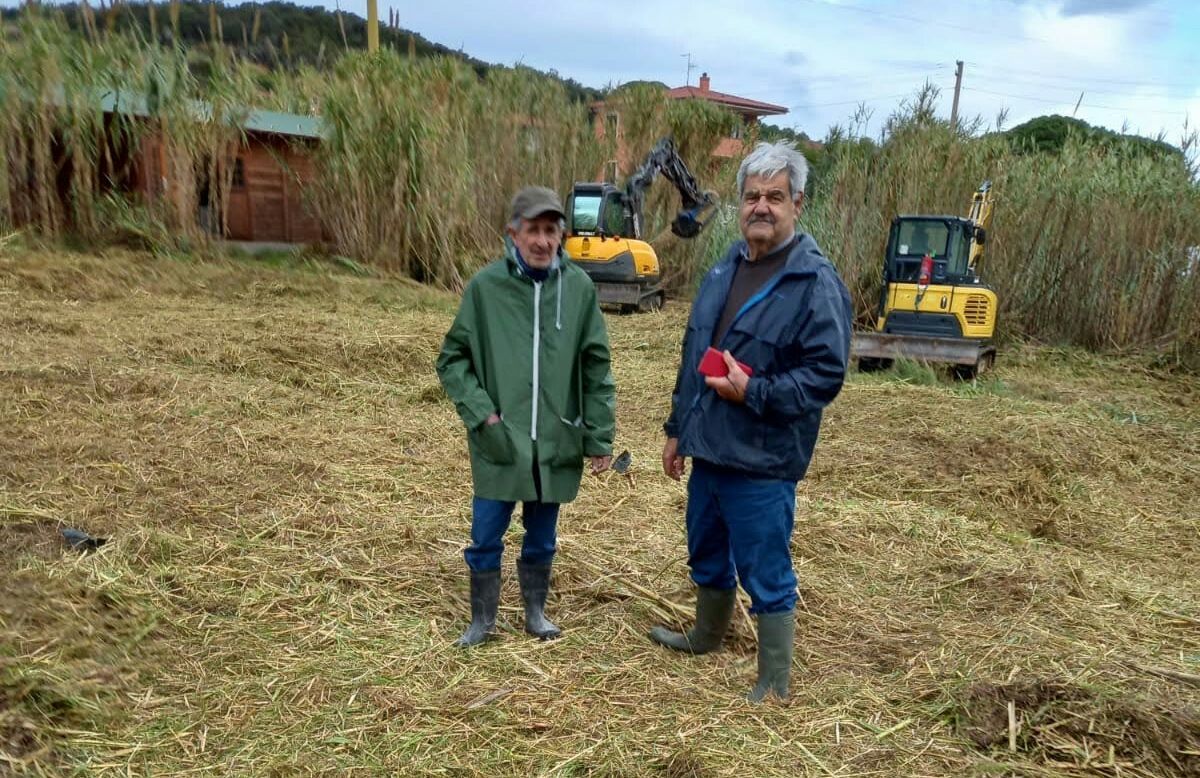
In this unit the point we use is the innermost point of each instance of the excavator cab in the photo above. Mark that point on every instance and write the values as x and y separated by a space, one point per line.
947 240
597 209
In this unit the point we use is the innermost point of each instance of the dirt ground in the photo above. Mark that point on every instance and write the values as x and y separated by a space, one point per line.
996 578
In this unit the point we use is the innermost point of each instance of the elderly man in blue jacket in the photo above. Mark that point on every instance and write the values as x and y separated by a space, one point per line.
776 305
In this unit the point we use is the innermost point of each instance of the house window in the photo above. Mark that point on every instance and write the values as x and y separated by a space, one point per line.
612 124
239 174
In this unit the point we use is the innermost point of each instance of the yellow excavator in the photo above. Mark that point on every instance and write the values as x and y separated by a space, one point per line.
933 306
604 229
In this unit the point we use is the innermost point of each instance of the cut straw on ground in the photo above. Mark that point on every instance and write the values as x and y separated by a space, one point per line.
287 495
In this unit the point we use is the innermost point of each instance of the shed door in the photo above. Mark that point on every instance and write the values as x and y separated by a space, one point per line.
238 218
268 194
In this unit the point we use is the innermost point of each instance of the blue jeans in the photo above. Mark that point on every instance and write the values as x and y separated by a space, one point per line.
739 524
489 522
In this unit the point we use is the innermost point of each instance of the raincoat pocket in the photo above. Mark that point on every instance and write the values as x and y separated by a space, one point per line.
493 443
568 443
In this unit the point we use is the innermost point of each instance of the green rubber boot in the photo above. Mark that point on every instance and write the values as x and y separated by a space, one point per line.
485 600
535 585
776 634
714 611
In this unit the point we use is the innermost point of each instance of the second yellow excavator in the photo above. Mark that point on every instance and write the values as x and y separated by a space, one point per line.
933 306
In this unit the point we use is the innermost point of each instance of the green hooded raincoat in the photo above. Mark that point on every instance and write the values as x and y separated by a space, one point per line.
513 340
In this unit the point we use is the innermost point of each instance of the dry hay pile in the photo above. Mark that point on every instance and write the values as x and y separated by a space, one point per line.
286 492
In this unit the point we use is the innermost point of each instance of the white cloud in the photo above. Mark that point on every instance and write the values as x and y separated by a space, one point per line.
1095 39
818 57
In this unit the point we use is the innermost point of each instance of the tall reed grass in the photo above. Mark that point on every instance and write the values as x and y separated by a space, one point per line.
421 158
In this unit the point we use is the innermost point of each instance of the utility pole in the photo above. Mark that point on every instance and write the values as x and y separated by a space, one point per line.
372 25
957 88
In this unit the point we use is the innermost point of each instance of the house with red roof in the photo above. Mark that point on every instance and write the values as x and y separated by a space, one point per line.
749 111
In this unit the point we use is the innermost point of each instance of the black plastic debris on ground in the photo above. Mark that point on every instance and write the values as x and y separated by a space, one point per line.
81 541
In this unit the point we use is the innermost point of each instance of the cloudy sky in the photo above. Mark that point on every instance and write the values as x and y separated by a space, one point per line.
1137 62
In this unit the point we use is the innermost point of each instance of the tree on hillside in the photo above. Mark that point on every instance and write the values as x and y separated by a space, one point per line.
273 34
772 133
1048 134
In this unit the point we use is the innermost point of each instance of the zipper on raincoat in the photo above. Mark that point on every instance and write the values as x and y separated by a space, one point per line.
537 359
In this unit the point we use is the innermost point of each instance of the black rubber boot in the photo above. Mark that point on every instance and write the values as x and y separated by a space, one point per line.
714 611
535 585
485 599
776 633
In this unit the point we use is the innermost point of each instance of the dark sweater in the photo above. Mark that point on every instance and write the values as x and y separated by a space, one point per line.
748 279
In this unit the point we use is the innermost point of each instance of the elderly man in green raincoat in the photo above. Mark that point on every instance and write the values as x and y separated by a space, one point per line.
526 363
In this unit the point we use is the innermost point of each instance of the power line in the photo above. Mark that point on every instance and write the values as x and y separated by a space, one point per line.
915 80
1077 87
904 18
838 79
933 77
1067 102
852 102
865 74
1119 82
1018 97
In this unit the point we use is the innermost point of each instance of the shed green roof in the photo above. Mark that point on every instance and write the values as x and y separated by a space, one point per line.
285 124
291 124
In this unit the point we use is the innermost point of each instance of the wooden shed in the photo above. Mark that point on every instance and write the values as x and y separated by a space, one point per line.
266 202
271 167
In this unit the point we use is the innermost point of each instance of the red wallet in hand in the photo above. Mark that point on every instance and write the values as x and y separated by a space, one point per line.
713 364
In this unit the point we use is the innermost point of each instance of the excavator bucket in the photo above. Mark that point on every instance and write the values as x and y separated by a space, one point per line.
686 225
956 351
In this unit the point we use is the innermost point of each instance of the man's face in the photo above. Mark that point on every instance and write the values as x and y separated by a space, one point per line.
538 240
768 210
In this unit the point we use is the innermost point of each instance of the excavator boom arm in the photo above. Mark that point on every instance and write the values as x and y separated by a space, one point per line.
980 214
665 159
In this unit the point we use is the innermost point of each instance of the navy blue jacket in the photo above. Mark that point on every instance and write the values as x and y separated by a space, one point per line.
795 334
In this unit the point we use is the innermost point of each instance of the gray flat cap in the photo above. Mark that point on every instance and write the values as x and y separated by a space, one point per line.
534 201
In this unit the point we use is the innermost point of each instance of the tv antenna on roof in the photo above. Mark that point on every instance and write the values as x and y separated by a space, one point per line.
690 68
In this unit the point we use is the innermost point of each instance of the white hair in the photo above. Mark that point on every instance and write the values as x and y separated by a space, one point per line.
768 159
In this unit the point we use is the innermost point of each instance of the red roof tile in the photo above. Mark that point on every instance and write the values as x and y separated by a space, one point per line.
742 104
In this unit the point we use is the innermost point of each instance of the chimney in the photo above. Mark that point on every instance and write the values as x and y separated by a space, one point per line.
703 82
